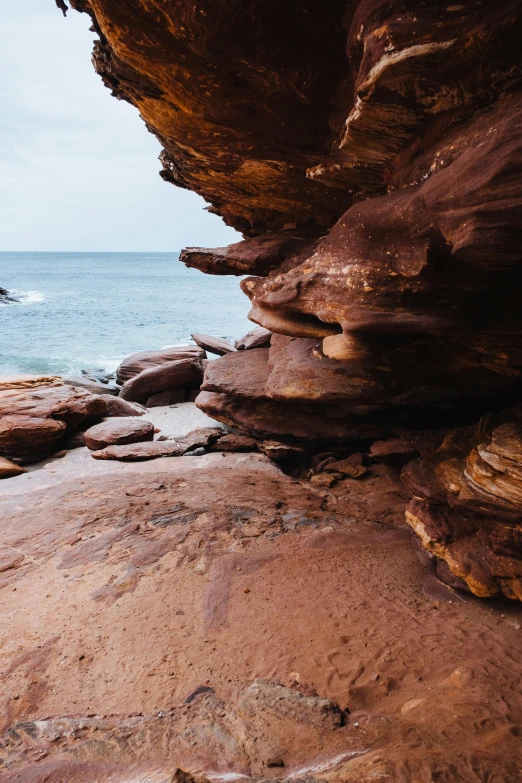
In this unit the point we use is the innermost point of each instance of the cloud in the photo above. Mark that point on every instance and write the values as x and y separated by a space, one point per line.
79 170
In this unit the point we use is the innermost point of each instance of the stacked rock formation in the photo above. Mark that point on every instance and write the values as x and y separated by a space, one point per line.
37 414
370 153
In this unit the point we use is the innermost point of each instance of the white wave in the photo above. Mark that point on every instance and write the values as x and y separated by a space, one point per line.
28 297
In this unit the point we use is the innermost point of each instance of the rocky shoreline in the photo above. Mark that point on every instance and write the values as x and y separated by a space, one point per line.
301 560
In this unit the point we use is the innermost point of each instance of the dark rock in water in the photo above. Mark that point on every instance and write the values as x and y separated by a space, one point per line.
213 344
118 432
99 374
143 360
90 384
169 397
162 378
257 338
6 297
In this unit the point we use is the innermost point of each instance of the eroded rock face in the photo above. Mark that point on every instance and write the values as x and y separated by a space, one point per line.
370 153
467 504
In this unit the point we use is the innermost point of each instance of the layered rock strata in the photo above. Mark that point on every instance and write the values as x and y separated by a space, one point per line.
467 501
370 153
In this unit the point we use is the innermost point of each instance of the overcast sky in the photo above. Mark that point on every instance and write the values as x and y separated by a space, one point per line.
79 171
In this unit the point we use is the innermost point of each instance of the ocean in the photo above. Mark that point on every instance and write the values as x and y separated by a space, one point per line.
90 310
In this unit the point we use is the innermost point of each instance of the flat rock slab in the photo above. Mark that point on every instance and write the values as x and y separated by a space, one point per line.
213 344
178 420
142 451
257 338
119 431
144 581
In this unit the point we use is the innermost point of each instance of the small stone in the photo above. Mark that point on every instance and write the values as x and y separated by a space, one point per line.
9 469
246 589
322 480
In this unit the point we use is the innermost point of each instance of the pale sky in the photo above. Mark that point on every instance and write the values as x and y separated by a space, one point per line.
78 169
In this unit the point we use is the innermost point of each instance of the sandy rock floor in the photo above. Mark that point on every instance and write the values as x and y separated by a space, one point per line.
126 587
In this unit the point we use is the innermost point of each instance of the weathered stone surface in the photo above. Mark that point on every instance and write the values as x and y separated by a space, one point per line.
282 452
351 466
242 374
232 441
467 504
256 256
33 420
166 584
117 432
257 338
213 344
143 360
392 450
160 378
9 469
141 450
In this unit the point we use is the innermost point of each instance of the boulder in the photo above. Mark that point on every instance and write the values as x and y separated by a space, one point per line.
34 419
140 451
213 344
117 432
467 501
161 378
143 360
257 338
117 406
169 397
